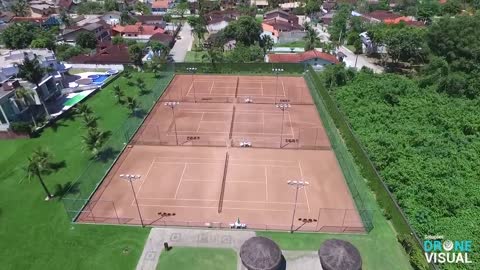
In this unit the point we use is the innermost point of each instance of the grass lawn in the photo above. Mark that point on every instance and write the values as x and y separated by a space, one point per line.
186 258
194 57
81 70
293 44
38 235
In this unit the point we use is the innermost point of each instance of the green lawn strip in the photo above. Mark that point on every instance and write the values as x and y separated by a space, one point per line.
186 258
194 57
293 44
37 234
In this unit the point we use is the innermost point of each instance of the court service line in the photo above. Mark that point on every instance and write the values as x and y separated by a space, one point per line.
233 201
144 180
211 87
304 189
283 87
191 85
180 181
266 184
170 157
183 162
214 207
291 125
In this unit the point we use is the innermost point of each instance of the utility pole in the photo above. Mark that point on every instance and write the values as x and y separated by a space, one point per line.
297 185
282 106
130 178
172 105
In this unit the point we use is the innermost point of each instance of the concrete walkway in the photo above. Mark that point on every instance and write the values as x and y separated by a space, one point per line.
190 237
182 45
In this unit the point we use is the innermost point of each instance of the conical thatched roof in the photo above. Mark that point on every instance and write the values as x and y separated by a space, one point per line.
260 253
337 254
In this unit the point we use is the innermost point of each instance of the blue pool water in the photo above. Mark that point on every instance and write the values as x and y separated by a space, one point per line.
98 79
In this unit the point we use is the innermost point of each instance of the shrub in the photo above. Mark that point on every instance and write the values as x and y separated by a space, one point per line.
414 252
21 127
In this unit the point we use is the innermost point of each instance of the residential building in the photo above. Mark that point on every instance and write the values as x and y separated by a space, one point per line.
388 17
6 17
101 32
260 4
317 59
138 31
48 89
160 7
111 17
105 54
40 21
165 39
282 26
219 19
42 8
151 20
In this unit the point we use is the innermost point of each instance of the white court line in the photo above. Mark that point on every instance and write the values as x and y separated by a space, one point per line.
144 180
180 182
291 124
211 87
180 162
283 87
266 184
261 83
216 200
203 113
170 157
213 207
190 88
305 187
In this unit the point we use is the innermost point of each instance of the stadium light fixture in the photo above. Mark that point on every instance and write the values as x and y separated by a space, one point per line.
172 105
282 106
130 178
297 185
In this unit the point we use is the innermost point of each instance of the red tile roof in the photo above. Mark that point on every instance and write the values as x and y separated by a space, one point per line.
106 54
301 57
383 15
138 28
160 4
163 38
283 25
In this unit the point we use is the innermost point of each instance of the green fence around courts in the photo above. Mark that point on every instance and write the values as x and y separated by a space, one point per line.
326 105
87 183
237 68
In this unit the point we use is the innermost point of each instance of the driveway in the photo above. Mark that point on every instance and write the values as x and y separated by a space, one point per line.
362 61
182 45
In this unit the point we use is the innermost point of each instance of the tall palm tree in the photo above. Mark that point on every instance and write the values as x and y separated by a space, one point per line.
32 71
26 97
311 38
94 140
90 121
132 104
118 93
39 164
83 109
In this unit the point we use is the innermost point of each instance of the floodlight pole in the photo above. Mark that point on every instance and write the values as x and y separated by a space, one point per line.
276 71
172 105
297 185
130 178
282 106
192 70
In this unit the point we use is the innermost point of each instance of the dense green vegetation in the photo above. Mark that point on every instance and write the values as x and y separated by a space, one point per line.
186 258
425 144
40 231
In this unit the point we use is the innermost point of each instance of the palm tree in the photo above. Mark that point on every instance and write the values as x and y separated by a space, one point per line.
213 56
26 97
132 104
20 8
90 121
83 109
39 163
311 38
266 42
32 71
94 140
118 93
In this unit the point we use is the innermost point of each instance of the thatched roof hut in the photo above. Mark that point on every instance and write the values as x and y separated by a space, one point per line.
337 254
260 253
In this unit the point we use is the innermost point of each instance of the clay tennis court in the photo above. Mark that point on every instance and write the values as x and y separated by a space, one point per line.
239 89
192 171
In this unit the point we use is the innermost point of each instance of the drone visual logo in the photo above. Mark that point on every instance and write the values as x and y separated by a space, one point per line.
447 251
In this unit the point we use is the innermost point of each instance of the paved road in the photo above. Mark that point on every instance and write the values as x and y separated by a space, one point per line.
182 45
361 62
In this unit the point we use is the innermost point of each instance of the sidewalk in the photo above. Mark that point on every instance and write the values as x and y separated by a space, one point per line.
190 237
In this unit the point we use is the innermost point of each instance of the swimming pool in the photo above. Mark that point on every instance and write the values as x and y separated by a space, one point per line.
98 78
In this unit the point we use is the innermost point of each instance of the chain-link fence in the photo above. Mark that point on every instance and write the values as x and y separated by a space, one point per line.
81 190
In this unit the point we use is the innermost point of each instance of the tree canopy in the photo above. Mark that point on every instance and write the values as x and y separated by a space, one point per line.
19 35
246 30
86 40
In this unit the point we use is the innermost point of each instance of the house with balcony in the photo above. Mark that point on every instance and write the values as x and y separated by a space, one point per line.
219 19
282 26
12 109
160 7
100 30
